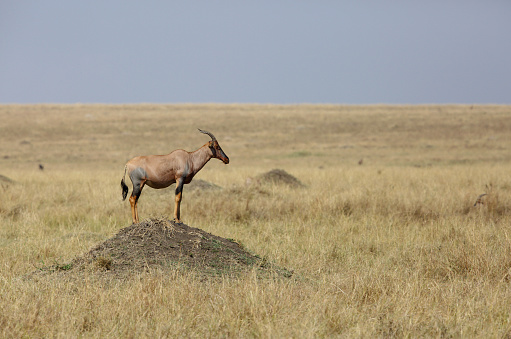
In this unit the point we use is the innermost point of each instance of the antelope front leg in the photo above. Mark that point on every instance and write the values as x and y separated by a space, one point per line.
177 209
179 196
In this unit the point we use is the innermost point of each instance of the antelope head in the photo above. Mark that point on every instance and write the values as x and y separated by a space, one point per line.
215 148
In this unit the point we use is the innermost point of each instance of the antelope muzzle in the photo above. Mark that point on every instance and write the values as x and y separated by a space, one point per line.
223 157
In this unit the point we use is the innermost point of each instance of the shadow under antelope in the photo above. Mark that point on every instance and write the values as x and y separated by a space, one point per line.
160 171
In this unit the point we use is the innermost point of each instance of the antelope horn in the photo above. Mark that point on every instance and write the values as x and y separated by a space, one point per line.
208 133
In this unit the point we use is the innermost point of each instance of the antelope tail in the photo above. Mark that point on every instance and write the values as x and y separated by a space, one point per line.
124 186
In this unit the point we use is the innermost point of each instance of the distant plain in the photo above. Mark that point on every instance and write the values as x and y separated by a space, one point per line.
384 239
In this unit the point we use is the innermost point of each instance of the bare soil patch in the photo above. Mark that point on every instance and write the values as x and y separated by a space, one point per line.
164 244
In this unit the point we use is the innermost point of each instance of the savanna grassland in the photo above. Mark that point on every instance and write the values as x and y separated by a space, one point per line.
384 240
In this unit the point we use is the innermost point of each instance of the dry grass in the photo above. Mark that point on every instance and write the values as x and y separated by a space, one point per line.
390 248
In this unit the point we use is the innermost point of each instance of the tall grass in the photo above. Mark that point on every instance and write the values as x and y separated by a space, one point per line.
390 248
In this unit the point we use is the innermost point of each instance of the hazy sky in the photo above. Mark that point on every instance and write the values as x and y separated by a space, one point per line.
348 52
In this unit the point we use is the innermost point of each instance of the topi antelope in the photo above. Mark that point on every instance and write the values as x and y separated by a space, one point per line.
160 171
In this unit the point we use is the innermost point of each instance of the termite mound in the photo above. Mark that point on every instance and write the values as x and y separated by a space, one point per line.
276 177
161 244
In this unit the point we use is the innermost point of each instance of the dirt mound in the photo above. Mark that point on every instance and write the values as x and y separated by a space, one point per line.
164 244
201 185
279 177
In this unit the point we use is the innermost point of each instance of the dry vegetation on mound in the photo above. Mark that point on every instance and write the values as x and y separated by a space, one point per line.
391 247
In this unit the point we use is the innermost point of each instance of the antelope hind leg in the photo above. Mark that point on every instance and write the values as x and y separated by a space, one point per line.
138 179
134 212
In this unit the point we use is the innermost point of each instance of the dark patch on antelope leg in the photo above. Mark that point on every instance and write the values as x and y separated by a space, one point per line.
137 176
179 197
138 179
